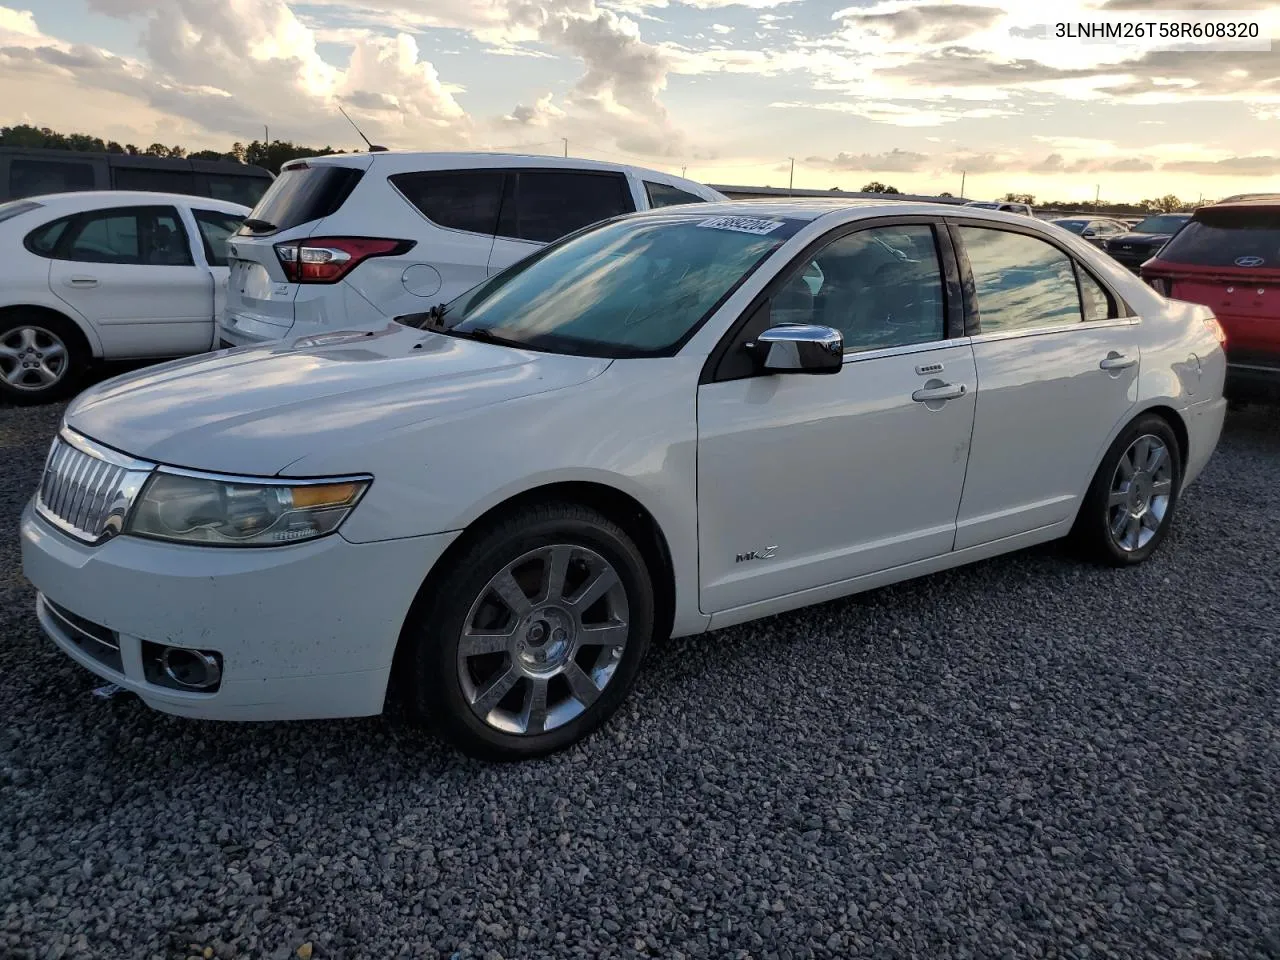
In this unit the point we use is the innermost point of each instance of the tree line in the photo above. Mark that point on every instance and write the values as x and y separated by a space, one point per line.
256 153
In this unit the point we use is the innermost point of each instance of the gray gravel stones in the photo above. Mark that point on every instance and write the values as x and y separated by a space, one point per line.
1027 758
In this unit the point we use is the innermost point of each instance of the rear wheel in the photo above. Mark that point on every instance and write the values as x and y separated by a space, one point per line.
1130 505
535 638
42 357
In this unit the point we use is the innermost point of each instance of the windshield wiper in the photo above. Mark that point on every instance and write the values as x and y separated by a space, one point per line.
261 226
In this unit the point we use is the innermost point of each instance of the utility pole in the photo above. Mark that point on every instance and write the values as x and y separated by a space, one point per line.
266 134
791 181
962 175
566 147
1097 195
682 170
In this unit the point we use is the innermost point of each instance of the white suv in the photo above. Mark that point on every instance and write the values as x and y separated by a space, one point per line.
349 242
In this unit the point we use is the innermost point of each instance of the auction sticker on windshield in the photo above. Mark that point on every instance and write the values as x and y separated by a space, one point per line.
742 224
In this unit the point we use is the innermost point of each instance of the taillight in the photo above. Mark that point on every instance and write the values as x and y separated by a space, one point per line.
1216 329
1160 285
329 259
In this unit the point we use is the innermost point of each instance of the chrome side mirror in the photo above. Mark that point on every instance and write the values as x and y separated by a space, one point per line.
798 348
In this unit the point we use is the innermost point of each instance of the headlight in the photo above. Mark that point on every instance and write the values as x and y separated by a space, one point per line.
241 513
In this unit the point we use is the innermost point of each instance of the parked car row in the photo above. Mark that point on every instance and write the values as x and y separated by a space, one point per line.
335 243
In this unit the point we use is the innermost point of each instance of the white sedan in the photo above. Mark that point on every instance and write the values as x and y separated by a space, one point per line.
106 275
665 424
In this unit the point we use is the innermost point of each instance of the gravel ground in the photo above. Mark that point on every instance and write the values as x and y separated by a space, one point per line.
1025 758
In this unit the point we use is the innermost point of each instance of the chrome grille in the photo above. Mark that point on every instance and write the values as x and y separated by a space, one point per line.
87 489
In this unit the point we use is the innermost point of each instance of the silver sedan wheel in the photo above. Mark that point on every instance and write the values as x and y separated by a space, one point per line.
32 358
1140 493
543 639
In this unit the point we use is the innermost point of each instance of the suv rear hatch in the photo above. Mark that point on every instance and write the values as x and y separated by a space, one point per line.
1228 259
261 287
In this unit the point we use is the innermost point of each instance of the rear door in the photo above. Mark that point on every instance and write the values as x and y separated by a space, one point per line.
1057 369
131 272
260 300
464 205
539 206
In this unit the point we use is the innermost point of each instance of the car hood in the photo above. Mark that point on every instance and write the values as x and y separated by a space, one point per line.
255 411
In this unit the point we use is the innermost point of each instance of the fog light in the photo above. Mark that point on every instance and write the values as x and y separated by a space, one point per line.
192 669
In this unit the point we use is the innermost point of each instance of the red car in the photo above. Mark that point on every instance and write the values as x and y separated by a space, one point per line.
1227 257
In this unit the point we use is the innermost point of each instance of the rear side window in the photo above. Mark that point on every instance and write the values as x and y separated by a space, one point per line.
1228 238
153 179
30 178
663 195
300 195
545 205
460 200
246 191
42 241
1021 281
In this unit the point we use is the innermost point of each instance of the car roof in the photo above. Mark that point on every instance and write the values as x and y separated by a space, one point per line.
813 208
1260 202
407 161
96 199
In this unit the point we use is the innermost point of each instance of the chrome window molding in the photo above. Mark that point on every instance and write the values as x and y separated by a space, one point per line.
1020 332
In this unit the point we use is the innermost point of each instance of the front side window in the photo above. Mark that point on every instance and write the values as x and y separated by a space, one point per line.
545 205
631 288
459 200
215 229
151 236
880 288
663 195
29 177
1020 281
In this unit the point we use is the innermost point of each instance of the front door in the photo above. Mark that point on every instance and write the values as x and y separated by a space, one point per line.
1057 372
130 272
805 480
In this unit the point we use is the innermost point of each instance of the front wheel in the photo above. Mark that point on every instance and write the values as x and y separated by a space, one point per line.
1129 508
535 637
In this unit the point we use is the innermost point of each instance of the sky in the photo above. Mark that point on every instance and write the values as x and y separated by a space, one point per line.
914 93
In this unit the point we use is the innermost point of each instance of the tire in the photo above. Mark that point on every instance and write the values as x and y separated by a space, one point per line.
577 661
1130 505
43 357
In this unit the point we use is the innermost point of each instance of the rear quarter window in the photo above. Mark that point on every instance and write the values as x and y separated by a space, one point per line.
1228 238
301 195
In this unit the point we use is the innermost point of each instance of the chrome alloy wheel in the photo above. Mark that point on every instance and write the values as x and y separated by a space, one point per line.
1140 492
543 639
32 358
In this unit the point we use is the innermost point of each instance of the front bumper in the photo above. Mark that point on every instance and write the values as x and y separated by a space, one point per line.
1133 259
305 631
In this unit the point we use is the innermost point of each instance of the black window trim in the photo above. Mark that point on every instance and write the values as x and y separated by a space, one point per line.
646 183
59 251
972 321
954 313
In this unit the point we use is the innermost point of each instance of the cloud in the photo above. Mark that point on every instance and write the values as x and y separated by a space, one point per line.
1263 166
895 161
900 114
921 23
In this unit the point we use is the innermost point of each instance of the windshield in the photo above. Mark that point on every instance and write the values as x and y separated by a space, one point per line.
1228 238
634 287
1160 224
1075 226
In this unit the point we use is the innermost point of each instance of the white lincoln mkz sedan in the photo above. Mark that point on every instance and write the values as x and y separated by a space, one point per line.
664 424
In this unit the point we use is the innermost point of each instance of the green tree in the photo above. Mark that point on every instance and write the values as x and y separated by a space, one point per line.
1027 198
875 186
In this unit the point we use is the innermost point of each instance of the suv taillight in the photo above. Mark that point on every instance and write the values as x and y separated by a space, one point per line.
329 259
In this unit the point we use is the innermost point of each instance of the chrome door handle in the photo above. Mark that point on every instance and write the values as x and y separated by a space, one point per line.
82 282
1116 361
947 391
